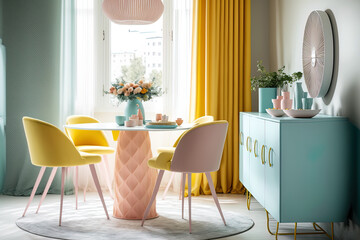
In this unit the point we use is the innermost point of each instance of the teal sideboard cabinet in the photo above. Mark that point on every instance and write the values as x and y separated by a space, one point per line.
297 169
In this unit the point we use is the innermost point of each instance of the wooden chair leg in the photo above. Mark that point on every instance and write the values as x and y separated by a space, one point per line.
168 185
51 178
37 182
153 196
213 193
189 199
98 188
183 178
63 172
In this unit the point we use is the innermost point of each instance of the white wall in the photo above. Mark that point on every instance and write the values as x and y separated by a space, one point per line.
287 23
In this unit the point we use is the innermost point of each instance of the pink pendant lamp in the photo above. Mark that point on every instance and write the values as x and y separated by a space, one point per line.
133 12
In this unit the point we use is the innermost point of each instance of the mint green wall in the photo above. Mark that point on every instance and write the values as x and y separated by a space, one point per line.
287 22
1 18
31 34
2 109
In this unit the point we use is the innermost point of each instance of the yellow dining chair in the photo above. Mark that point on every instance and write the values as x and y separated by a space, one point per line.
198 151
50 147
90 141
197 121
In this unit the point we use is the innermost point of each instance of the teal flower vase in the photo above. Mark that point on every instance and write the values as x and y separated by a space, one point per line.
132 107
265 96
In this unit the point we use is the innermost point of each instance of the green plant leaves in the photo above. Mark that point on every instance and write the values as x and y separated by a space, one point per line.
277 79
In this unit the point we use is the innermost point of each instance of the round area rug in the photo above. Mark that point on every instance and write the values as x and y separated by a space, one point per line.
89 222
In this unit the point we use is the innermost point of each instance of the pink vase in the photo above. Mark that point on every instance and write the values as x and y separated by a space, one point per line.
276 103
286 102
286 95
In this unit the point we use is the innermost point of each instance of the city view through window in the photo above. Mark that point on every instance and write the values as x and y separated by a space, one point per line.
137 52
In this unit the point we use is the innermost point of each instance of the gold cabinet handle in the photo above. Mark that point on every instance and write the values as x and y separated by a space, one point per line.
255 143
247 143
269 157
241 135
262 154
250 145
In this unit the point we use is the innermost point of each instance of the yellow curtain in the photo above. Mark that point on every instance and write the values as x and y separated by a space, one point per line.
220 84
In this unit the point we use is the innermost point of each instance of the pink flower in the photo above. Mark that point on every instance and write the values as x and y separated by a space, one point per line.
127 94
112 89
130 89
137 90
127 85
120 91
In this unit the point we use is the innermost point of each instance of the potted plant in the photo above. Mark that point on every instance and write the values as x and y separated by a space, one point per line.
268 82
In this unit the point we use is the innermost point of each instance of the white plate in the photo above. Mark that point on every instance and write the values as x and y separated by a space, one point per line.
305 113
275 112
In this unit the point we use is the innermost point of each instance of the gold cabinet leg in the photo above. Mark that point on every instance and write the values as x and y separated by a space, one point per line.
248 199
318 229
277 231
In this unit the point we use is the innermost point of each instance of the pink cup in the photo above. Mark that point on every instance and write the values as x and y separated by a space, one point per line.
130 123
279 97
158 116
179 121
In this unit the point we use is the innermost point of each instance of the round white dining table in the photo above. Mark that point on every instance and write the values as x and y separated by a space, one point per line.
134 181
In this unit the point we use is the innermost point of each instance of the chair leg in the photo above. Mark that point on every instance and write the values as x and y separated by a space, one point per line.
183 178
189 199
37 182
213 193
87 182
181 188
156 189
107 176
98 188
76 178
63 173
168 185
51 178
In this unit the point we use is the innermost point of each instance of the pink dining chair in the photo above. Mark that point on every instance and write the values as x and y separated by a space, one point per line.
50 147
198 151
203 119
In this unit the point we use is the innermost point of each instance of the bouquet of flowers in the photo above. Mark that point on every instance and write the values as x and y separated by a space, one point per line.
141 90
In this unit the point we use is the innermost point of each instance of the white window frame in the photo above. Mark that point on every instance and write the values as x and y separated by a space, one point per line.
102 58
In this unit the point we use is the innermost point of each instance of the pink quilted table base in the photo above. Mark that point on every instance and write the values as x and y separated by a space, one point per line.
134 180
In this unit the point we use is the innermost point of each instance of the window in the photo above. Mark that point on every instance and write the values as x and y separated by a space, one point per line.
154 47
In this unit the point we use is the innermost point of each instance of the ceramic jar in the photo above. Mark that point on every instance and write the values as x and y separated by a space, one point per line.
277 102
286 102
299 94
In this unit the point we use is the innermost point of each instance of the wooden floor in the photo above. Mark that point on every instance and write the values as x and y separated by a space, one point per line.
11 208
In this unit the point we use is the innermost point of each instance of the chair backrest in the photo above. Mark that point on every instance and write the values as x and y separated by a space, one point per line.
203 119
85 137
200 148
48 145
